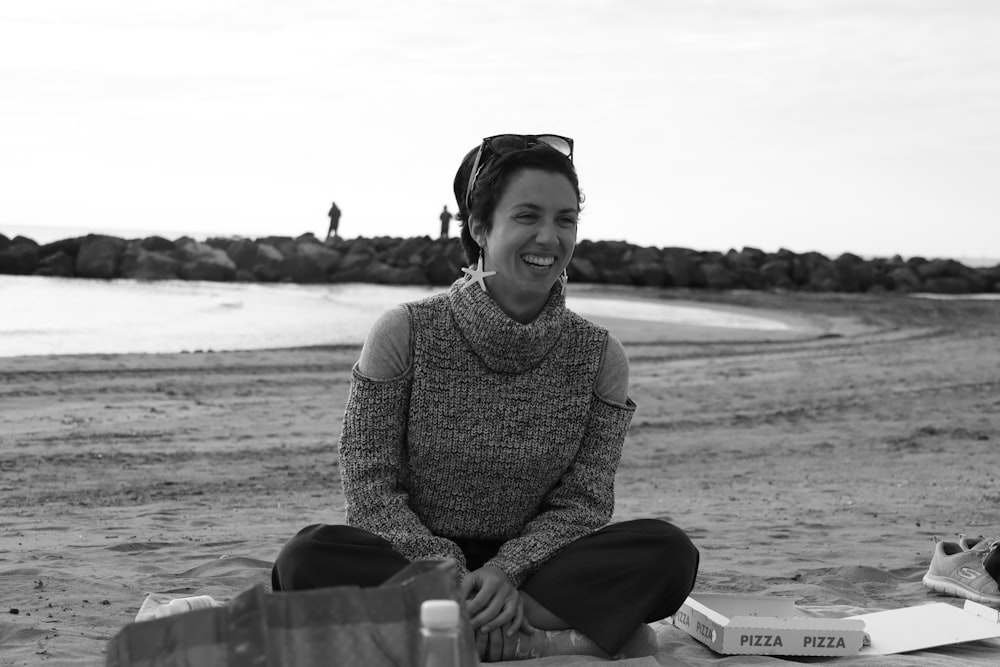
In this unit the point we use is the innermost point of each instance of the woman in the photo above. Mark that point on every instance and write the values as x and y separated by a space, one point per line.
485 425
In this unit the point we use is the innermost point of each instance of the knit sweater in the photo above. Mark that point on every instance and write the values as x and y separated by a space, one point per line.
493 433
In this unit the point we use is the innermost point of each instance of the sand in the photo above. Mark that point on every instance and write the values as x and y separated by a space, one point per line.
817 463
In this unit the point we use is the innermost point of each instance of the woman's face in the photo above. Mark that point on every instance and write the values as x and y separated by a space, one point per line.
530 241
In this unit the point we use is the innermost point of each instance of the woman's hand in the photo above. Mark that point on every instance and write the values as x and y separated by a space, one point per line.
492 600
501 643
497 611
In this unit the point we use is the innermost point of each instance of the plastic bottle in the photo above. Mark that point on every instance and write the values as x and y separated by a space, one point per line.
439 634
181 605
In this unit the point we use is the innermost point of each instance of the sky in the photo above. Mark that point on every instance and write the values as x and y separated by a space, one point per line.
864 126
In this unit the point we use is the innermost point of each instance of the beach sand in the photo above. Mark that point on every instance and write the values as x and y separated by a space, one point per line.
817 463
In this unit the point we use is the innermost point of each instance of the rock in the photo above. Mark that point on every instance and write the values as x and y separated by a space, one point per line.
777 273
444 264
581 270
938 268
301 269
978 282
991 278
353 275
267 265
308 237
750 278
262 261
19 257
355 259
220 242
609 258
200 261
244 253
99 257
69 247
855 274
976 279
903 279
646 267
267 274
441 271
359 246
946 285
716 275
798 271
649 274
56 265
746 260
751 257
615 275
644 256
141 264
456 252
157 244
208 270
679 265
822 272
409 252
284 244
382 273
326 259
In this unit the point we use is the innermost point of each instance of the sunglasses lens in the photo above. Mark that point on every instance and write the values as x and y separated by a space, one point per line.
507 143
561 144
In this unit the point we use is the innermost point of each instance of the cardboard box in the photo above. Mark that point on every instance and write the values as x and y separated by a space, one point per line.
927 626
764 625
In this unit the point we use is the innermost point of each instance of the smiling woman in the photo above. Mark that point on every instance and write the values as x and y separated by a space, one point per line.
486 424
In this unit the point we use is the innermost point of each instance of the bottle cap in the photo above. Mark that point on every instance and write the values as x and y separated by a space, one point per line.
439 614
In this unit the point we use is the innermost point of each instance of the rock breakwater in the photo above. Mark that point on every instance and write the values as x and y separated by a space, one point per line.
426 261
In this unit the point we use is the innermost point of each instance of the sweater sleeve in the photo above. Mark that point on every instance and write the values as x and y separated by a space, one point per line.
372 468
582 501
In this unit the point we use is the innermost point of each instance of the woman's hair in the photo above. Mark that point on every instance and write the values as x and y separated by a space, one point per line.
492 182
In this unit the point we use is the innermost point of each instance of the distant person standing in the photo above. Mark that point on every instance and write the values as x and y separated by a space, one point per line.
334 221
445 222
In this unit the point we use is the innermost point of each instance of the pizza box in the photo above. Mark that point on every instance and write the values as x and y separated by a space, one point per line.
767 625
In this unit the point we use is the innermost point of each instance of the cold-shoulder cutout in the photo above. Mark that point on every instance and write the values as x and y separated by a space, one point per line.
386 352
612 379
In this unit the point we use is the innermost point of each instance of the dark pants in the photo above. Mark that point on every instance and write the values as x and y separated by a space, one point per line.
604 584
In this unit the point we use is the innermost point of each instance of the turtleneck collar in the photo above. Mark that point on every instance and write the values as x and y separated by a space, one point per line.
505 345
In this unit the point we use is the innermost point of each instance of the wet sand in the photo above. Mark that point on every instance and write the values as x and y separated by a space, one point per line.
816 462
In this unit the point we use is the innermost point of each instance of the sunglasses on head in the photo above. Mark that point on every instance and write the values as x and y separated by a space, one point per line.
501 144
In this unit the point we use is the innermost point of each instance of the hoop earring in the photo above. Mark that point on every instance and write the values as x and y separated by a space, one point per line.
563 281
477 274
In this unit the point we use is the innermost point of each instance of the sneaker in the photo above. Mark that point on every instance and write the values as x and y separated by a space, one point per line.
964 574
976 543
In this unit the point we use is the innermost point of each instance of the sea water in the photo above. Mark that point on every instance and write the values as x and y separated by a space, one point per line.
78 316
40 315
